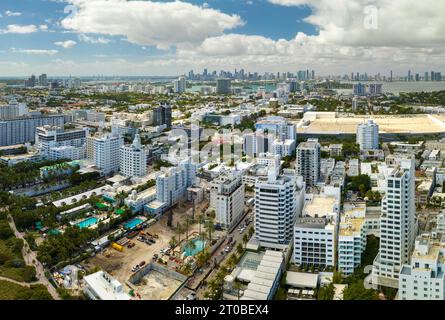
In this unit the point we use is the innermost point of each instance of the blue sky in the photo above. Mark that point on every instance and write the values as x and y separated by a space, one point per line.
164 37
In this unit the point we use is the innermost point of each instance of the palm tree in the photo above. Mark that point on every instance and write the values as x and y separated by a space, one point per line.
173 242
179 230
237 286
239 248
245 240
191 245
210 226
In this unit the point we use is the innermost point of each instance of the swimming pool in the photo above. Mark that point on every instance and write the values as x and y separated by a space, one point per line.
133 223
190 251
87 223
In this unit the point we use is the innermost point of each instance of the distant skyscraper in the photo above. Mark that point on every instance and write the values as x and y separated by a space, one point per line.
223 86
180 85
368 135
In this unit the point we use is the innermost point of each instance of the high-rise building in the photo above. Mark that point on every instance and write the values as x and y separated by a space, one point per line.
55 143
133 159
308 161
172 183
279 200
162 115
223 86
107 151
180 85
398 225
13 110
22 130
424 277
227 198
255 143
314 242
368 135
279 126
43 80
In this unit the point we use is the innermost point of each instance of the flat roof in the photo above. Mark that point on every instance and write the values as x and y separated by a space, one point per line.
387 124
320 206
301 279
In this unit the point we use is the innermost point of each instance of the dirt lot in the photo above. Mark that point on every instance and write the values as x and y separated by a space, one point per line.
156 286
119 264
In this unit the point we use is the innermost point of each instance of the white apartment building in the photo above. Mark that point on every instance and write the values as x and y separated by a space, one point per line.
279 126
308 161
440 223
368 135
283 148
255 143
13 110
55 143
172 183
180 85
424 277
398 226
107 151
133 159
279 200
351 238
227 199
314 242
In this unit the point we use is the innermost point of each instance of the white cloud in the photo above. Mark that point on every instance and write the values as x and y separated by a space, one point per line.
66 44
99 40
12 14
162 24
40 52
19 29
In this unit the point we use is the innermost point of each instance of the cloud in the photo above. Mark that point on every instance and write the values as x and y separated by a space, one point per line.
66 44
19 29
376 23
12 14
99 40
162 24
40 52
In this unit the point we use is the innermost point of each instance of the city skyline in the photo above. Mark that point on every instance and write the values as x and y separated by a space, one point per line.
80 38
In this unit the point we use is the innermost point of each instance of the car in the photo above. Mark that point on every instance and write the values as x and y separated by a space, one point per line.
191 296
135 268
142 263
227 249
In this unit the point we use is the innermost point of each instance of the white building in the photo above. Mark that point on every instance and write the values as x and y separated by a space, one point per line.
351 238
368 135
13 110
278 203
55 143
283 148
180 85
107 151
133 159
424 277
398 226
172 183
255 143
308 161
279 126
137 201
314 242
227 199
440 223
102 286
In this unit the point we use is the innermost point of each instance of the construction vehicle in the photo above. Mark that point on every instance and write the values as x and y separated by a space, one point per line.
117 247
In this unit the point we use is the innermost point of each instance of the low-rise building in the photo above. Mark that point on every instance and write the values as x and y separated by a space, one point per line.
424 277
102 286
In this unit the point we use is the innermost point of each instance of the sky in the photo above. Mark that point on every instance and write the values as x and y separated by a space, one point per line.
164 37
